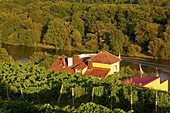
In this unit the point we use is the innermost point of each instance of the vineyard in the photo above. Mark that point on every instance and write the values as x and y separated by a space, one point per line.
29 88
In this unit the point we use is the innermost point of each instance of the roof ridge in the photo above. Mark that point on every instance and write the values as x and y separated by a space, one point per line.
163 81
150 81
105 57
108 57
54 62
92 57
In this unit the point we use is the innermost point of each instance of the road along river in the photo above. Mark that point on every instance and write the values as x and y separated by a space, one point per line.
149 66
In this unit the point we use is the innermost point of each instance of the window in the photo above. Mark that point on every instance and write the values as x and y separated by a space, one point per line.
115 69
79 71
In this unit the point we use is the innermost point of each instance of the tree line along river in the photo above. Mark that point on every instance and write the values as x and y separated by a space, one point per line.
148 65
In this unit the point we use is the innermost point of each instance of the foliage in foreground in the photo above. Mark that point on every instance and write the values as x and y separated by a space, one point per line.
26 107
43 59
40 87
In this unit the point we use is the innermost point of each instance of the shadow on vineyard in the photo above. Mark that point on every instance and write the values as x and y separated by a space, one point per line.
29 88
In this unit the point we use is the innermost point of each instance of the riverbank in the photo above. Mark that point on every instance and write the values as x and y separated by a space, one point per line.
140 55
53 47
46 46
144 55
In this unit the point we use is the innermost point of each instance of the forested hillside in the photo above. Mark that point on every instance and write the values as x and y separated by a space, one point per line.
127 26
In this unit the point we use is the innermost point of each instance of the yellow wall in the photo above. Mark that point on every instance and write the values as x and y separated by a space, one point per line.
156 85
101 65
109 66
84 70
164 86
76 70
112 67
108 74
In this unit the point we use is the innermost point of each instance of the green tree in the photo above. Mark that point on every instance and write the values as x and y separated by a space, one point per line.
145 32
43 59
76 39
78 23
3 54
36 16
56 34
91 42
134 49
165 51
155 46
28 37
117 41
21 31
10 26
167 32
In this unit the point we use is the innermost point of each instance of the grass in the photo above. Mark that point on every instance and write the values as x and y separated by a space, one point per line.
45 46
53 47
141 55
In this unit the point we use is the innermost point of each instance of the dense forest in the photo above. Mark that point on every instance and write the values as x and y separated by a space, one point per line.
130 27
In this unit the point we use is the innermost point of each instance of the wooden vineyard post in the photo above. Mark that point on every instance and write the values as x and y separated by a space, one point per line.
72 96
10 59
156 102
61 90
7 93
92 94
111 100
131 100
22 94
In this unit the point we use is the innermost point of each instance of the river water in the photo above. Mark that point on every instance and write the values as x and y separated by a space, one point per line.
148 65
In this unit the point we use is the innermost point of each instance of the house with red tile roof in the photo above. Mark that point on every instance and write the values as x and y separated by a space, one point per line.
101 65
66 64
149 82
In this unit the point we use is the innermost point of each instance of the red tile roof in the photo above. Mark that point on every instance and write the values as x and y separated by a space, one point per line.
59 64
143 81
97 72
105 57
164 81
81 66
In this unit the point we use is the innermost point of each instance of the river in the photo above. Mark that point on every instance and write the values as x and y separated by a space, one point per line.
148 65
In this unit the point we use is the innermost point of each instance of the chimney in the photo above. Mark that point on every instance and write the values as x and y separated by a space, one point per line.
103 45
64 63
90 64
70 61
